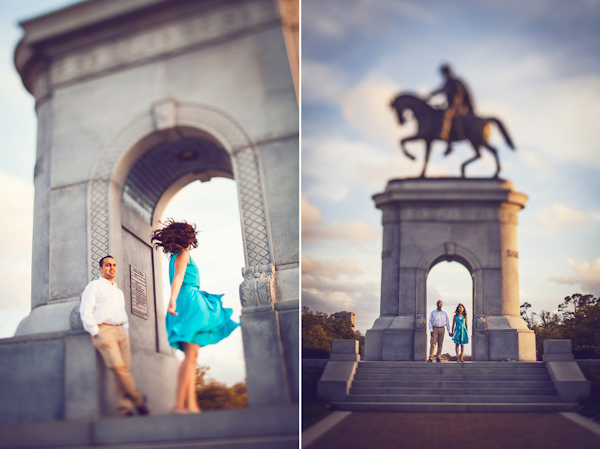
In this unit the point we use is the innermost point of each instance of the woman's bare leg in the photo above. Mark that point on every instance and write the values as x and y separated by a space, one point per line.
192 400
457 358
181 383
186 375
462 352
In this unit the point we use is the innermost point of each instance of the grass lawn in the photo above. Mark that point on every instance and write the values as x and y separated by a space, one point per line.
313 410
591 407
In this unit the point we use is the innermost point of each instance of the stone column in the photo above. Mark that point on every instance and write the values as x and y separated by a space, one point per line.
265 365
471 221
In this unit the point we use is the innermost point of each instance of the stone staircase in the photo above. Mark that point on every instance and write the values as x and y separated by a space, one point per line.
453 387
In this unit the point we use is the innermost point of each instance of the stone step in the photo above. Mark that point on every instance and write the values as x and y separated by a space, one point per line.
447 370
454 407
455 391
440 398
445 364
454 377
242 427
452 384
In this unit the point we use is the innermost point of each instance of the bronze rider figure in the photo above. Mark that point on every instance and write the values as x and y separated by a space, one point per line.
459 102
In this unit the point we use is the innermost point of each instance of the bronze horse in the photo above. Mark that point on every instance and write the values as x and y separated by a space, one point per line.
476 129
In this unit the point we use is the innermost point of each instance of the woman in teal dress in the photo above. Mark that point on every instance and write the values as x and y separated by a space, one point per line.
195 318
460 336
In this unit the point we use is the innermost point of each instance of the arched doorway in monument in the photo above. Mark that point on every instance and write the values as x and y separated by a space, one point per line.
150 176
452 282
134 179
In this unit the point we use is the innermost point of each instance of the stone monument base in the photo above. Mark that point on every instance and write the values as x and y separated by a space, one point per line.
469 221
40 382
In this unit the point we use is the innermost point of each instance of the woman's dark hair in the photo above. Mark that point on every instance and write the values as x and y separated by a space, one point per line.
464 310
175 236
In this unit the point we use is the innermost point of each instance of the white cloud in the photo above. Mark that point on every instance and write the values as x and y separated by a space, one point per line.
558 216
588 274
331 269
366 108
315 229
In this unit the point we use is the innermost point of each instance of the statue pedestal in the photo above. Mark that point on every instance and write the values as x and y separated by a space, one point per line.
470 221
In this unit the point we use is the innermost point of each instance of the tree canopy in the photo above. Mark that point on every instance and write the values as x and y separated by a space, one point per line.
319 329
577 319
213 395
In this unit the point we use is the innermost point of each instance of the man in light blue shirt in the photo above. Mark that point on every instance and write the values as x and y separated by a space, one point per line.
437 321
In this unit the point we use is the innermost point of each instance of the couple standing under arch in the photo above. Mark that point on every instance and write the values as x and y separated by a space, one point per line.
438 322
195 318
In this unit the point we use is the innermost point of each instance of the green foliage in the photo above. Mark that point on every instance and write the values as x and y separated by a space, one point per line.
213 395
319 329
578 319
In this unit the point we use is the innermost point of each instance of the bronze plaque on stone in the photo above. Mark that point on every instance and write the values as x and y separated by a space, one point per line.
139 293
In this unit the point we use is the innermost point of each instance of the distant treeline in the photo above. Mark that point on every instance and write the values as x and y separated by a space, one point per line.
319 329
578 319
213 395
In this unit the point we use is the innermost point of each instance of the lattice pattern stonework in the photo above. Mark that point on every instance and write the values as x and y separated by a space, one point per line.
253 216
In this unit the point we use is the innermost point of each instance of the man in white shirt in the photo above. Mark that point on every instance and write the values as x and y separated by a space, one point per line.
103 315
437 321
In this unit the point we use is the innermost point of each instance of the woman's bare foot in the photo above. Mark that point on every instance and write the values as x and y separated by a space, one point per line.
179 411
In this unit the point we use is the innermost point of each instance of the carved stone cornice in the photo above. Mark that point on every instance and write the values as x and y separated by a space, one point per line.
200 28
163 40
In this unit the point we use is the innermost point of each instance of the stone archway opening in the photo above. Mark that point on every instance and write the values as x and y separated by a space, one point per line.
213 207
452 282
149 178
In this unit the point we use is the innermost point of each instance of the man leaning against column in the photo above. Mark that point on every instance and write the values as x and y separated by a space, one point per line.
103 315
438 319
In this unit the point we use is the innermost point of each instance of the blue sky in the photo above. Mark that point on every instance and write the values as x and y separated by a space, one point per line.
535 65
212 206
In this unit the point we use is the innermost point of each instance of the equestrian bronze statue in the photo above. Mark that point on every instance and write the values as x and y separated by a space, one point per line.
455 123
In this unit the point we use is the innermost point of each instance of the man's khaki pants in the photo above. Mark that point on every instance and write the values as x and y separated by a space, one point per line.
113 344
438 337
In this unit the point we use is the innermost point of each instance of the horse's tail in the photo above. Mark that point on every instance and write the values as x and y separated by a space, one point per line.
503 131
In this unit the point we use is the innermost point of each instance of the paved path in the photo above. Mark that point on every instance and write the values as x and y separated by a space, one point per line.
366 430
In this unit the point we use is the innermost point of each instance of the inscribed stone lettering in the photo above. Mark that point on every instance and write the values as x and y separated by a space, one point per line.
139 296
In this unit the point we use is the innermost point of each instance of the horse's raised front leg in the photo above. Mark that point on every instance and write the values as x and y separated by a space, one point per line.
403 148
473 159
427 151
495 153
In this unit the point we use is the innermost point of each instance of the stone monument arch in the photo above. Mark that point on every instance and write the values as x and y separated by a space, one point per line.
170 121
134 101
470 221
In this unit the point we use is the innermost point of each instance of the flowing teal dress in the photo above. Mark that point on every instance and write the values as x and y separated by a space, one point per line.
460 336
201 317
